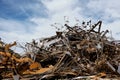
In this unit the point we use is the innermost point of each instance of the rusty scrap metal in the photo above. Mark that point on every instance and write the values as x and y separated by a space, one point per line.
76 53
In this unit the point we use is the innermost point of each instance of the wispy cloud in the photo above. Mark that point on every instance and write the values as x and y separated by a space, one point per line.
109 9
24 20
15 30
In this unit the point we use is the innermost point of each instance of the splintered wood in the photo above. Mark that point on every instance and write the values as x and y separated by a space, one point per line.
78 52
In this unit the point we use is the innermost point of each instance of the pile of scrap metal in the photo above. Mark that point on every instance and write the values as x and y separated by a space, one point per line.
79 52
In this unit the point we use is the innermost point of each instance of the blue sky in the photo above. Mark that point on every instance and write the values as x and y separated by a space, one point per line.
24 20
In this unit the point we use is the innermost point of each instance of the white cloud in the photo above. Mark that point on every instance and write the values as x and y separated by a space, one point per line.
115 28
11 25
11 30
57 6
56 13
109 8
